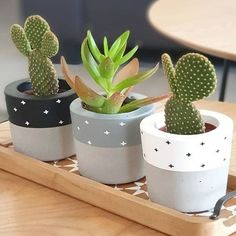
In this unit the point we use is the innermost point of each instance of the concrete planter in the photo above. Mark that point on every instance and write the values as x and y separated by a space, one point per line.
187 172
40 126
108 146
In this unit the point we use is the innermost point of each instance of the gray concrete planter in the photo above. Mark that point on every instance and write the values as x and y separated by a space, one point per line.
40 126
187 172
108 146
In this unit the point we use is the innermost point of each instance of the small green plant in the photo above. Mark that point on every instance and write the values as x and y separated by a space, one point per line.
38 43
103 68
192 79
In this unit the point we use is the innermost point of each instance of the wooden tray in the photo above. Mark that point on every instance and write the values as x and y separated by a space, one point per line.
129 200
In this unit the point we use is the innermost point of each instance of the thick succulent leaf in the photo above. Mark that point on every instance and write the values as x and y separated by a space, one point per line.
114 49
196 77
118 44
70 79
91 65
105 46
87 95
127 71
120 53
93 47
133 80
20 40
169 71
113 104
107 68
50 44
127 56
142 102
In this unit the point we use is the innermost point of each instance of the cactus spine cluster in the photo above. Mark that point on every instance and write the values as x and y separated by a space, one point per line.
39 44
193 78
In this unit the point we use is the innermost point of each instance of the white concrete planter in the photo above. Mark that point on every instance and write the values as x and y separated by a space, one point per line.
40 126
108 146
187 172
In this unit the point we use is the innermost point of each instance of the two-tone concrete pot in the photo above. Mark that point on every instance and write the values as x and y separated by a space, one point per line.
187 172
40 126
108 146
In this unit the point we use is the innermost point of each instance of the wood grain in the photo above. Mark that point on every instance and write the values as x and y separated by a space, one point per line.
28 209
5 135
139 210
207 26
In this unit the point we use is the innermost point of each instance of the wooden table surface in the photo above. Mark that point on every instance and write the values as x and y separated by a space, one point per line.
28 209
205 25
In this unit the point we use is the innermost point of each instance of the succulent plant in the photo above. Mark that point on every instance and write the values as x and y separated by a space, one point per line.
103 68
38 43
193 78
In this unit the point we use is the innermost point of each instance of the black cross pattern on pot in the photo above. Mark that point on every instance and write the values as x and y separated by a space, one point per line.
224 159
171 166
202 143
155 149
217 151
144 155
203 165
188 154
168 142
225 137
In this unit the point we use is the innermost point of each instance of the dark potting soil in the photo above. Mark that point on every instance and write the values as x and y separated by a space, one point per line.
209 127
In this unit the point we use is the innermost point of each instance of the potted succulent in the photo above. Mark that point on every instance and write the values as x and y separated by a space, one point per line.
38 108
186 151
106 125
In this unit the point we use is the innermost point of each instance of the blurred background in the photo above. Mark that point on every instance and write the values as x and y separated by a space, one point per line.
70 19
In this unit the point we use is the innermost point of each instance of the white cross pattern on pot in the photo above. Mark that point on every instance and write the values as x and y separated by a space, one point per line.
15 109
27 123
58 101
106 132
78 128
45 112
89 142
123 143
23 102
86 122
61 122
122 123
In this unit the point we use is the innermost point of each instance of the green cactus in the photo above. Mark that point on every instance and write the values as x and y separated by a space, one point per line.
103 68
39 44
192 79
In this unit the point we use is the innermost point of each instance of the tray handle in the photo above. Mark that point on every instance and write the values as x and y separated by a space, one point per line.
220 203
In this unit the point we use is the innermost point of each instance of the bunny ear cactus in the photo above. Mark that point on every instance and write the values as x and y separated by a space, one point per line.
39 44
193 78
103 68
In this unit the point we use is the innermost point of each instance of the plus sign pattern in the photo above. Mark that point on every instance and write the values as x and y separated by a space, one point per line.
139 189
38 112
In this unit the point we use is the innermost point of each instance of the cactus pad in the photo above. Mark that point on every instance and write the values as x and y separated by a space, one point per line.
38 43
192 79
182 118
196 77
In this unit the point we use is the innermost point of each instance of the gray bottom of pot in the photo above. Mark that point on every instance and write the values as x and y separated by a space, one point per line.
186 191
110 165
45 144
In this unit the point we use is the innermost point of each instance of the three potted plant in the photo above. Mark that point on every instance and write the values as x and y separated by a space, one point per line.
38 108
186 151
106 125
